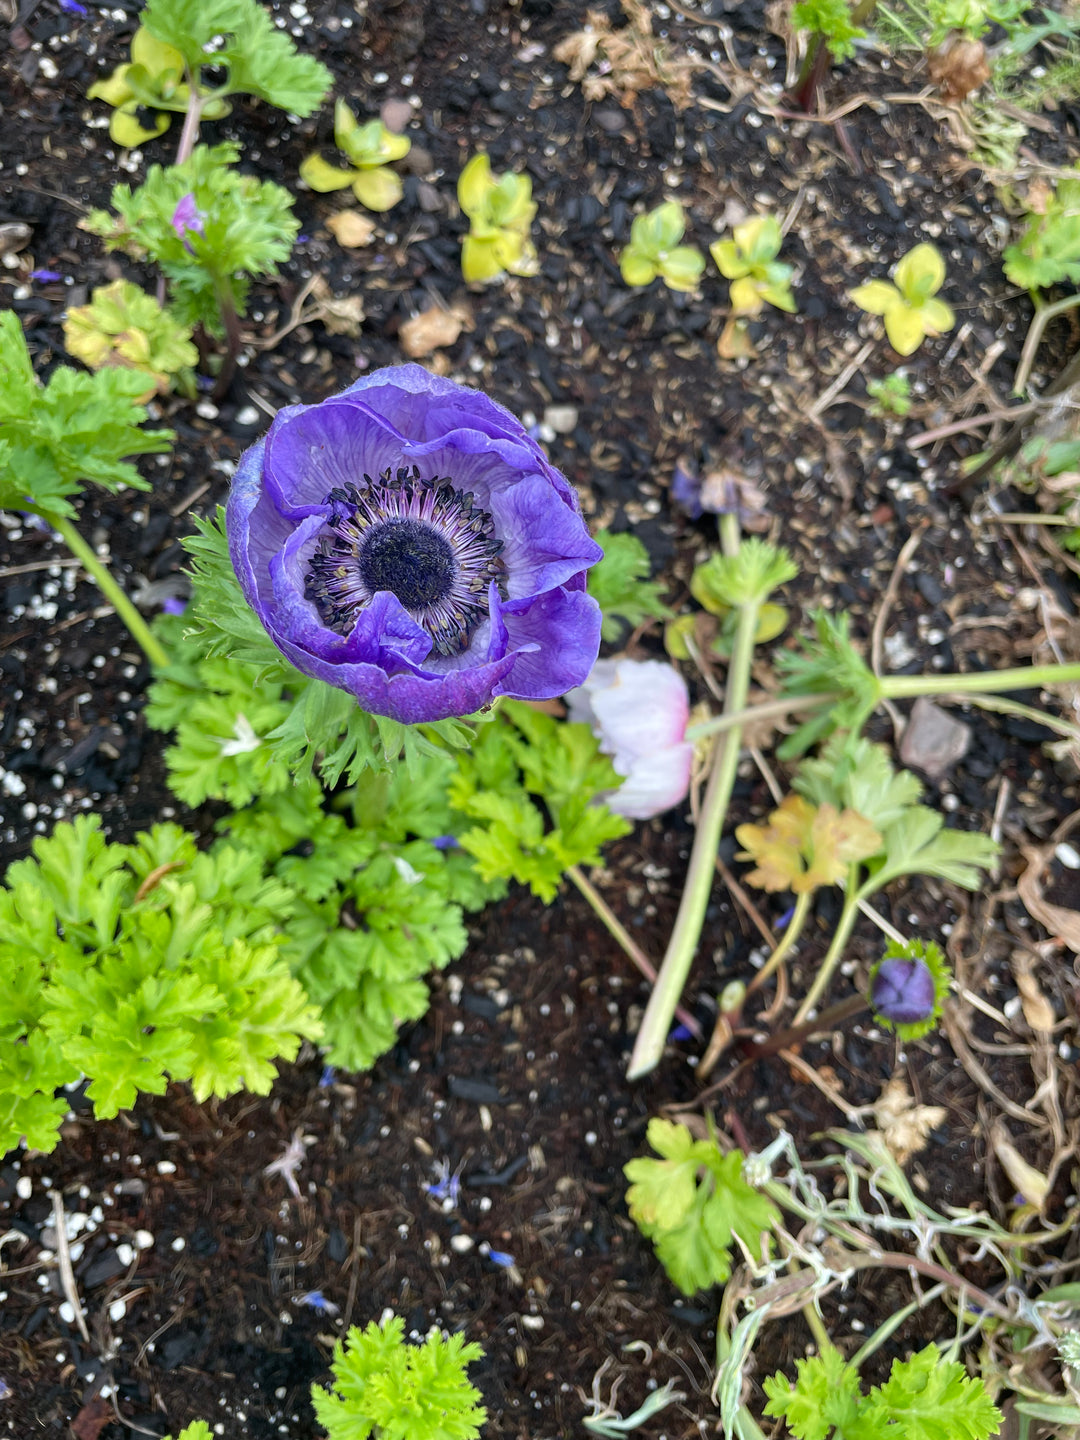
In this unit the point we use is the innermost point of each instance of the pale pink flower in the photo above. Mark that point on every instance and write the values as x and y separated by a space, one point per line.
638 710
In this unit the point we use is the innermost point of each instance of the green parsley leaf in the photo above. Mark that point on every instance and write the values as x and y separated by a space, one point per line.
620 585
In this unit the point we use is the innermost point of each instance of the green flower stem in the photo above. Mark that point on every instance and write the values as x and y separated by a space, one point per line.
618 931
848 916
1021 677
140 631
881 1334
768 710
791 934
683 944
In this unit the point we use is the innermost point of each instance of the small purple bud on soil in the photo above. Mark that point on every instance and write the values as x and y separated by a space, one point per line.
903 991
45 276
686 491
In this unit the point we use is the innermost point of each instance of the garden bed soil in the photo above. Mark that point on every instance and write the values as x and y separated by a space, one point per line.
515 1080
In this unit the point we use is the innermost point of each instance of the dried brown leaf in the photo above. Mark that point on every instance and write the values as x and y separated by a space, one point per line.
905 1126
351 229
434 328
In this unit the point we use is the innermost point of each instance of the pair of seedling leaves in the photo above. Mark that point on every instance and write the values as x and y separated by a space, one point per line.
748 260
177 41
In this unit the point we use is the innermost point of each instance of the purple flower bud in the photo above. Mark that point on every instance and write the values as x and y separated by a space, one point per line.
407 542
46 276
173 605
445 842
903 991
188 219
680 1033
686 491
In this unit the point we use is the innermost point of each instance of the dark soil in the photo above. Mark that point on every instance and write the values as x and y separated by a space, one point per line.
516 1078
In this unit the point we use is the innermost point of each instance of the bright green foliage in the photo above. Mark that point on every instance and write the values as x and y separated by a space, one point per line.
125 326
831 19
371 148
197 1430
135 965
374 905
1048 252
910 307
77 427
386 1389
693 1203
177 40
620 585
934 959
924 1398
748 577
890 395
827 665
500 210
524 754
248 737
749 262
654 250
246 228
852 773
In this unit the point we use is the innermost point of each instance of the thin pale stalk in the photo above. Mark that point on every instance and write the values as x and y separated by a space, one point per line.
984 682
828 1020
683 944
768 710
192 118
791 934
881 1334
140 631
618 931
846 923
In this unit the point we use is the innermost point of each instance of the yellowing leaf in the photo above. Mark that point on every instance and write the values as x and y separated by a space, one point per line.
876 297
728 260
115 90
318 174
154 55
480 259
804 847
682 267
905 328
474 183
746 297
920 273
126 131
937 316
636 269
378 189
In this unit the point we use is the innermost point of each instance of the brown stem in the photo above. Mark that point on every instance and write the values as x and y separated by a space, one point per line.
827 1020
234 342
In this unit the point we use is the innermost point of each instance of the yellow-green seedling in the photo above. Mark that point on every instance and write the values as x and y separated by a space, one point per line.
123 325
1048 252
500 210
749 262
654 250
890 395
371 150
909 306
169 51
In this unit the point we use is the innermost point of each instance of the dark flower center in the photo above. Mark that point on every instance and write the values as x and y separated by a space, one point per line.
419 539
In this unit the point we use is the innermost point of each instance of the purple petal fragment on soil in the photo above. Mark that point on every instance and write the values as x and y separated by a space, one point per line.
686 491
501 1258
46 276
408 543
173 605
73 7
316 1300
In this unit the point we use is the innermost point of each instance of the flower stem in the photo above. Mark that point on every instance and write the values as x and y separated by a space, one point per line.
770 709
791 934
618 931
828 1020
234 339
848 916
683 944
192 117
140 631
985 682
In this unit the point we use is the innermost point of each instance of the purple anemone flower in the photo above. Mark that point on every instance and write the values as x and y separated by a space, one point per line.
407 542
903 991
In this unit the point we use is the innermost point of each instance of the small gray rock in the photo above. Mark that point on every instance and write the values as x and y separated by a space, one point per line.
933 740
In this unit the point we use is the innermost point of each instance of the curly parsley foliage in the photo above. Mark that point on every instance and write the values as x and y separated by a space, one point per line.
694 1204
924 1398
831 19
134 965
77 427
246 228
373 905
390 1390
620 585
